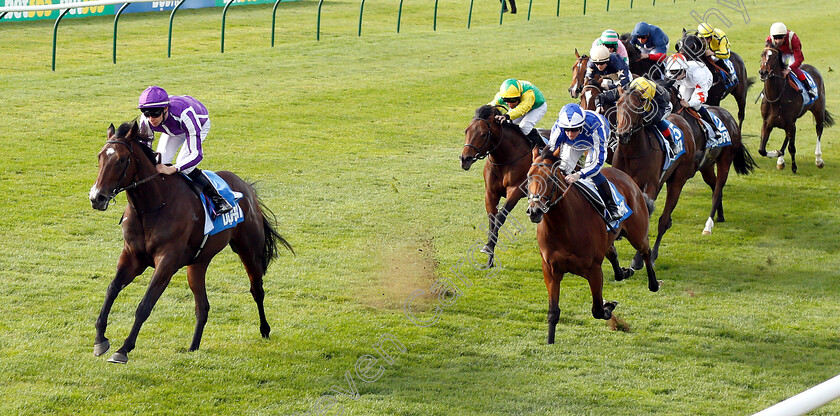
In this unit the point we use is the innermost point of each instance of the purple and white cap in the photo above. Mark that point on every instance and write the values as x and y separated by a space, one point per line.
152 97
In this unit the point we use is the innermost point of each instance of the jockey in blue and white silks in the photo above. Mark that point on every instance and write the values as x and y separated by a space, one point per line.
576 131
183 123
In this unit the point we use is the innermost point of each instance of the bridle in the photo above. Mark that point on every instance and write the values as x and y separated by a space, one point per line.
580 72
483 151
118 190
550 200
624 137
766 71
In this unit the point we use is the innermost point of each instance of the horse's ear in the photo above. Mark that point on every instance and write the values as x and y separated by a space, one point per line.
535 152
556 152
577 55
111 131
134 129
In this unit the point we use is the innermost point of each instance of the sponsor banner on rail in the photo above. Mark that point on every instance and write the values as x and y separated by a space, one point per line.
111 8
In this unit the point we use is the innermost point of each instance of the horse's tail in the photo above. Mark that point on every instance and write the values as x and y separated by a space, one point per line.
750 82
744 162
272 237
828 119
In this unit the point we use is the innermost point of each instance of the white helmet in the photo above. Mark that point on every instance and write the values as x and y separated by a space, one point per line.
599 54
571 116
778 29
676 63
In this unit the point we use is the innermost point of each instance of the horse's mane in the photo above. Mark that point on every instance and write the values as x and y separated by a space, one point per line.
692 47
123 133
486 111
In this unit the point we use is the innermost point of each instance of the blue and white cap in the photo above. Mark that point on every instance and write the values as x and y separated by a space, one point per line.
571 116
153 97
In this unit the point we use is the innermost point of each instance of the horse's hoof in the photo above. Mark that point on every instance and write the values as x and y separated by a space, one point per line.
118 358
707 232
820 164
487 250
101 348
637 263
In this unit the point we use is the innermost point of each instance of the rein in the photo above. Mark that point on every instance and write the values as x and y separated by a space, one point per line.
550 201
481 153
765 63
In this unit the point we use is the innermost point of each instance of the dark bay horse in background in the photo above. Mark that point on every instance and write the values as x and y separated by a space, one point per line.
508 154
163 228
640 155
573 237
714 163
641 66
782 106
694 49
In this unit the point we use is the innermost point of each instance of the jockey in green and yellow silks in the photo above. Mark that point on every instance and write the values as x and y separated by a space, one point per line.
526 105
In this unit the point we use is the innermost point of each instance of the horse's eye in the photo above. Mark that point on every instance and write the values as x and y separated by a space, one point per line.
123 159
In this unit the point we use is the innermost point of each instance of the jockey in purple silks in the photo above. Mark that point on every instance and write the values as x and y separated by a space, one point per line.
183 123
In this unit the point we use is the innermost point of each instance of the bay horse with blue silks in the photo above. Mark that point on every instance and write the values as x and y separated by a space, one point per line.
163 228
573 236
508 154
782 106
641 156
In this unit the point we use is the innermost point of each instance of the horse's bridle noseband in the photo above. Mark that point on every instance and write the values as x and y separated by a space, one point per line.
483 151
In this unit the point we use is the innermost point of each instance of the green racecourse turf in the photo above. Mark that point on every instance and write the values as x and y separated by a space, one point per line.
353 142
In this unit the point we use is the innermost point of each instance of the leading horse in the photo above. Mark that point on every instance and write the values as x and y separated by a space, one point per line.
573 237
640 155
163 228
782 105
694 48
508 154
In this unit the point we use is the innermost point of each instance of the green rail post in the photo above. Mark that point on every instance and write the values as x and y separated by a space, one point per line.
654 2
558 8
530 2
631 4
116 19
224 13
608 5
469 17
501 12
399 16
55 34
318 28
273 19
361 11
171 18
584 7
434 22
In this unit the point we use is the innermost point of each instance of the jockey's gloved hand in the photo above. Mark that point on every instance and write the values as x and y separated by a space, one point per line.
503 118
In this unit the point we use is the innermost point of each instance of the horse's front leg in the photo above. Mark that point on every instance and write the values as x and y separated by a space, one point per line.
163 274
552 285
491 201
790 132
128 267
766 128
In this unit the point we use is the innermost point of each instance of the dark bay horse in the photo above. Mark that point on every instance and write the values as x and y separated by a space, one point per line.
573 237
641 66
694 49
714 163
640 156
508 154
163 228
782 106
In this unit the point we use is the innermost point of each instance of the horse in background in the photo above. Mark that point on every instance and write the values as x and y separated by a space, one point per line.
639 66
782 105
640 155
163 228
573 236
693 48
508 154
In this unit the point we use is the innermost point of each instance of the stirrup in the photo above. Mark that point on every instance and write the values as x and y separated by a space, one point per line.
221 206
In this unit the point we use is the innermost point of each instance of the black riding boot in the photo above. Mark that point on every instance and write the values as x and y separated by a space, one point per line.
606 194
512 6
704 112
535 138
221 204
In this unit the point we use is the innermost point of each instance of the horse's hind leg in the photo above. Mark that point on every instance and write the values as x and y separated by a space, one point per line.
250 252
127 269
196 274
621 273
790 131
819 118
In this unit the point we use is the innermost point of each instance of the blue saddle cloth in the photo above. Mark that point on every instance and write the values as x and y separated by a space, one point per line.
731 77
725 138
590 191
803 89
216 223
671 154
